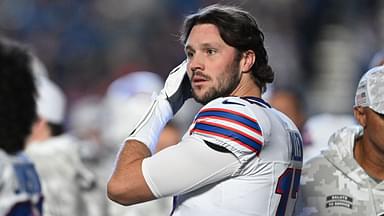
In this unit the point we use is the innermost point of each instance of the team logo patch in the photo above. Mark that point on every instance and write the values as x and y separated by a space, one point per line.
339 200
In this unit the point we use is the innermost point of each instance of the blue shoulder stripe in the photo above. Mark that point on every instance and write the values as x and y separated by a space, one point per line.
230 115
217 130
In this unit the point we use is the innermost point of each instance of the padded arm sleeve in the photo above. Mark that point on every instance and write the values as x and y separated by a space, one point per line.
186 167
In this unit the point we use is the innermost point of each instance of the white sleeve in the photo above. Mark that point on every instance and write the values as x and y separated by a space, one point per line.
186 167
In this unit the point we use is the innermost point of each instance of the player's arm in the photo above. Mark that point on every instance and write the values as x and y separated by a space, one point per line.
126 184
182 168
223 138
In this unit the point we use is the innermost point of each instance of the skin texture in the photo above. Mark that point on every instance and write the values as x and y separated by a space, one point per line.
127 184
218 77
213 68
168 137
369 150
213 72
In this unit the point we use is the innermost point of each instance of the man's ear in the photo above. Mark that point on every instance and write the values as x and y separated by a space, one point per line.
360 115
247 61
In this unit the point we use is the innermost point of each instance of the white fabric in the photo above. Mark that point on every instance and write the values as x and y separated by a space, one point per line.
174 80
139 82
264 183
158 172
122 115
161 111
319 128
125 102
334 183
62 173
38 67
51 101
19 184
150 126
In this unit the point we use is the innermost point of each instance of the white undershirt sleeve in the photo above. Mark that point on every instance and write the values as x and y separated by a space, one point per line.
186 167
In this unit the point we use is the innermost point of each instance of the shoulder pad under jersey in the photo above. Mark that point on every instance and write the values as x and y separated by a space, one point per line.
229 122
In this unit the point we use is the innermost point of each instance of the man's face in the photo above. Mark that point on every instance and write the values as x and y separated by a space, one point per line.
373 124
375 127
213 65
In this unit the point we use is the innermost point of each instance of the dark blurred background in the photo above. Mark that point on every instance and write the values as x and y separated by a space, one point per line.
320 46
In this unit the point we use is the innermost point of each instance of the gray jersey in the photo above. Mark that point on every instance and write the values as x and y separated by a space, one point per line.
334 183
63 175
20 190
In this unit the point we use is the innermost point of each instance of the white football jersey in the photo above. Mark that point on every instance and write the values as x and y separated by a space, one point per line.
268 146
63 175
20 189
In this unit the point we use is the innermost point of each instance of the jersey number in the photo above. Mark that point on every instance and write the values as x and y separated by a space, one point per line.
286 189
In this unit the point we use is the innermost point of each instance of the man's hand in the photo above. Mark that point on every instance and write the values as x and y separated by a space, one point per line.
177 88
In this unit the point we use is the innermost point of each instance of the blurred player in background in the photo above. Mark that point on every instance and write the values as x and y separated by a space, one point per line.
377 59
240 156
56 154
20 189
126 100
319 128
291 102
347 178
315 129
84 120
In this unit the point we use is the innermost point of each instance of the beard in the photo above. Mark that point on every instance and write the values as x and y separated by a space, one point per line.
226 84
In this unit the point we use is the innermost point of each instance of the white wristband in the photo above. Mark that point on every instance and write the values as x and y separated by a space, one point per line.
150 126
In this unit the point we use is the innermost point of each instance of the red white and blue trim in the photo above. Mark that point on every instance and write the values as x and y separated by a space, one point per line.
229 126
